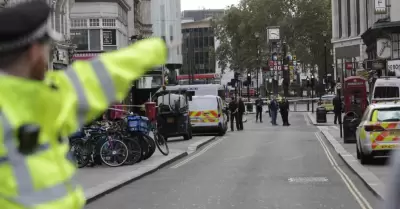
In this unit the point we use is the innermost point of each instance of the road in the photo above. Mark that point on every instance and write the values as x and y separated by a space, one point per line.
261 167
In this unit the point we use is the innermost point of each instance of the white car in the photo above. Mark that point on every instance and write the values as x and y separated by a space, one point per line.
379 131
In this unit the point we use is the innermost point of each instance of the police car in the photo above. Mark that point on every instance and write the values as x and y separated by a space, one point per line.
379 131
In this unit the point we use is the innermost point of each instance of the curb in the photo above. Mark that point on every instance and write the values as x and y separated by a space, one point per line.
205 142
373 183
131 178
314 122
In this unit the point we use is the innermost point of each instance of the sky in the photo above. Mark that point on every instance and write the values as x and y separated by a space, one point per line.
207 4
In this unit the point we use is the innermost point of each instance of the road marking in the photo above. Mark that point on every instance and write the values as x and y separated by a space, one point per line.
350 185
306 119
199 153
306 180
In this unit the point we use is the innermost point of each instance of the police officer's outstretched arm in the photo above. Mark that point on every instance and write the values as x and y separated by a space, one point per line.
89 87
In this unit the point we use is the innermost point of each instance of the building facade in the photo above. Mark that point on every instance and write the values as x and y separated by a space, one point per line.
166 23
197 15
98 26
62 52
198 48
382 39
359 27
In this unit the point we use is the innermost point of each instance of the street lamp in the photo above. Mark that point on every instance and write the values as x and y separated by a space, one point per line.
257 35
324 33
312 93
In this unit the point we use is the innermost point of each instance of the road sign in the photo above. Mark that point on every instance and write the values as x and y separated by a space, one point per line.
339 85
279 67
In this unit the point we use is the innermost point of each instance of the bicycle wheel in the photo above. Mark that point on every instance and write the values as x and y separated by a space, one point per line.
135 151
161 143
114 152
152 146
80 152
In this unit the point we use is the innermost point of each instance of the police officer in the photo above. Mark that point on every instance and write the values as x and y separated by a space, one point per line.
36 117
233 109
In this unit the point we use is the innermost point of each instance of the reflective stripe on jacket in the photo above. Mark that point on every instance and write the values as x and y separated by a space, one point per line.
45 178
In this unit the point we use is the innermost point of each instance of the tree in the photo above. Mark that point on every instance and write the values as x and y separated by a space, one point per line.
301 23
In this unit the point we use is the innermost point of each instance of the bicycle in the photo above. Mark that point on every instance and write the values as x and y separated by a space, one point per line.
159 138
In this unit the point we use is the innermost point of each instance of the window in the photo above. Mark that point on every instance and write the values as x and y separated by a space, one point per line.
94 22
109 22
340 17
386 92
171 33
78 23
80 39
348 18
95 42
358 16
388 115
396 46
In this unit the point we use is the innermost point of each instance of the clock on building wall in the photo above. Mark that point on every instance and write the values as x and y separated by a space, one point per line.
383 48
273 34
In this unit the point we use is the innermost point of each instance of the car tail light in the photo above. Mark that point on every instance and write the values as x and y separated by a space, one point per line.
219 114
374 102
373 128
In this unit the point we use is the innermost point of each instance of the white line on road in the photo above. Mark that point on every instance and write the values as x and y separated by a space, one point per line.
306 119
199 153
350 185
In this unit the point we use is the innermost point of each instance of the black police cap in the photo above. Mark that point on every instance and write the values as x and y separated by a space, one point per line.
23 24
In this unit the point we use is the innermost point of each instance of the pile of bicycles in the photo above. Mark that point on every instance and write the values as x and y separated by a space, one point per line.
116 143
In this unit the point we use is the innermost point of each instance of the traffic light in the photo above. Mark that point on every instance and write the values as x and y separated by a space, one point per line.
248 77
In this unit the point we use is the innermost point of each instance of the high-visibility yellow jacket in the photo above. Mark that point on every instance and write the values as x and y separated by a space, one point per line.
45 178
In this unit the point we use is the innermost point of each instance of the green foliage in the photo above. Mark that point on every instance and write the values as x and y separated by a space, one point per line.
301 21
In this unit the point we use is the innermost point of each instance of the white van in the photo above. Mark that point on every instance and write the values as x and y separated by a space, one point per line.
207 114
386 88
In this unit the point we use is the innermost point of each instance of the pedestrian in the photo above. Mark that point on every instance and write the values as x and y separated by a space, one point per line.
284 109
259 108
337 109
233 108
274 107
40 108
241 111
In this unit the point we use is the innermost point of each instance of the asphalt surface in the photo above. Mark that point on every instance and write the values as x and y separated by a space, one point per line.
264 166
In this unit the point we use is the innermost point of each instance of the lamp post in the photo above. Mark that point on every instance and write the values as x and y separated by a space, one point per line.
257 35
248 86
324 33
312 93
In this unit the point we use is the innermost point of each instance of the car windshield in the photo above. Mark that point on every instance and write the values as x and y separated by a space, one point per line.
387 115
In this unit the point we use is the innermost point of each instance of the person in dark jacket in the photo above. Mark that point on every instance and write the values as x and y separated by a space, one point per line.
273 107
284 108
337 109
233 109
241 110
259 108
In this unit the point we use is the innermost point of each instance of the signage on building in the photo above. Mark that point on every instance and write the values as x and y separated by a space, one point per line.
349 66
109 37
378 65
380 6
394 66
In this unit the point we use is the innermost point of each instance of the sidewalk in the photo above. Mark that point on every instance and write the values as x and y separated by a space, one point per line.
100 180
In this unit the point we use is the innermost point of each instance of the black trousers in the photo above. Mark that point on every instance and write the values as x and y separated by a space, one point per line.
285 117
239 121
232 118
338 116
259 114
